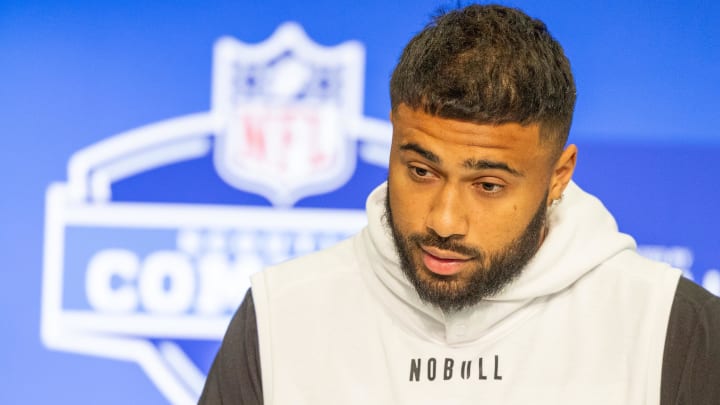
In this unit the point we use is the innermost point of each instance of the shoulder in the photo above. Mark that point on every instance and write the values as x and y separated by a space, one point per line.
631 265
637 279
333 260
321 270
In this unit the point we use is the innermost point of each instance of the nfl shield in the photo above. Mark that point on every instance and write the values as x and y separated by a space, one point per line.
287 112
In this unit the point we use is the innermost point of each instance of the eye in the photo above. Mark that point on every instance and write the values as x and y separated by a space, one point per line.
420 173
490 188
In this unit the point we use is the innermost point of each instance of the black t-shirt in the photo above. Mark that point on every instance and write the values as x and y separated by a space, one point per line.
690 374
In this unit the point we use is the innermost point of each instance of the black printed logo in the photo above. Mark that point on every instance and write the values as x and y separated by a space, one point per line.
447 369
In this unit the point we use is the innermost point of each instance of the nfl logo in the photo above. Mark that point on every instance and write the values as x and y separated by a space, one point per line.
157 283
287 113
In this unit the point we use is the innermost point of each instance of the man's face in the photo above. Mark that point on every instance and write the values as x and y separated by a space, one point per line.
467 202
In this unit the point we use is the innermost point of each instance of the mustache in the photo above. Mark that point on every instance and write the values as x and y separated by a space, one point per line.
444 243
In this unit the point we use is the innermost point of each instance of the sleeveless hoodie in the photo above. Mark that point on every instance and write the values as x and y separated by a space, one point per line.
584 323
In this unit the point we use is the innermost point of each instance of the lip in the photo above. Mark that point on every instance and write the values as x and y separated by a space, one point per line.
444 254
443 262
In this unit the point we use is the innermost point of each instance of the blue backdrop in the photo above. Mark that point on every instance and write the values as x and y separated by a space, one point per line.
114 277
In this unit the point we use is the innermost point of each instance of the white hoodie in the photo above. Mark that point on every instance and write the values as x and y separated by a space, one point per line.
584 323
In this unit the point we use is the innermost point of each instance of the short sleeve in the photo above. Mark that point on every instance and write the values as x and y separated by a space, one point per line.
234 376
691 362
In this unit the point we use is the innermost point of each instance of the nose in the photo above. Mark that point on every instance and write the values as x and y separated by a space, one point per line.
448 214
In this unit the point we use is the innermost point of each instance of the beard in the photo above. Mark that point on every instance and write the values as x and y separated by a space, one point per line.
491 272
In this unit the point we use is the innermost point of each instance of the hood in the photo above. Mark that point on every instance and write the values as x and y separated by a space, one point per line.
581 235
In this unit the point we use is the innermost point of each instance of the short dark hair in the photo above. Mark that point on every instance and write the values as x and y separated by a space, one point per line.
488 64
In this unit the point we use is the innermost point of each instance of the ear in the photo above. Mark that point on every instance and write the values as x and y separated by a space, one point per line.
562 173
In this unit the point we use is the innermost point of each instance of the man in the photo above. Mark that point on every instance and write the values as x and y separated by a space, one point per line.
484 275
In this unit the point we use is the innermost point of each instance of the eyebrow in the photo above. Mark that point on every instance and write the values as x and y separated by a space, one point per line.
481 164
474 164
421 151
